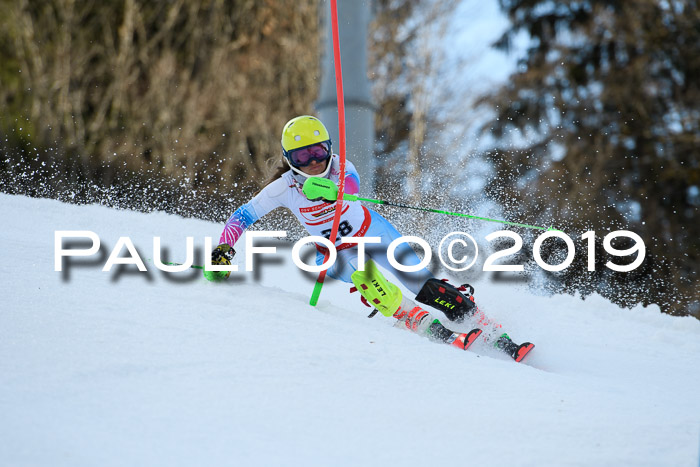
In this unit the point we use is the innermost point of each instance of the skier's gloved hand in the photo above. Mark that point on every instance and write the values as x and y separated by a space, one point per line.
318 188
223 254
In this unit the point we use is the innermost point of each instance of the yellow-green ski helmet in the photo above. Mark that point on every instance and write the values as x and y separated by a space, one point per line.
305 138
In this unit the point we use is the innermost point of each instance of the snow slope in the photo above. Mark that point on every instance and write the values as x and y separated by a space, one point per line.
135 368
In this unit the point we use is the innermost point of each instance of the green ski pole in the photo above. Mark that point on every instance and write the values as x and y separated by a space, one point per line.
213 276
348 197
194 266
169 263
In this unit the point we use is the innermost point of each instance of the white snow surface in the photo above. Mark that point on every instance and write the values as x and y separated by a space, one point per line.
100 368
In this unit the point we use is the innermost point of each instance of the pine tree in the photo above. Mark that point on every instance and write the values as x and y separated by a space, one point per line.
599 129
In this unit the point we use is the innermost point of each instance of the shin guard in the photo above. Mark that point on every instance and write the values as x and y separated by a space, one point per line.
376 290
446 298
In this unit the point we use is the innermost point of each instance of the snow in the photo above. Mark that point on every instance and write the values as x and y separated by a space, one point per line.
152 368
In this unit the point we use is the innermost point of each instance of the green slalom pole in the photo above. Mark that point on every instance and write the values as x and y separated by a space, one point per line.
348 197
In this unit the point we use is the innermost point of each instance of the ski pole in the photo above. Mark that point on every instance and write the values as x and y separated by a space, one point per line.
348 197
194 266
212 276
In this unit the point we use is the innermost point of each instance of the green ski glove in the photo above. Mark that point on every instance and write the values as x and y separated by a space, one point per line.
222 255
317 188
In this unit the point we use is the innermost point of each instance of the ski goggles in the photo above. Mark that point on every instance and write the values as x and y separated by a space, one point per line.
304 156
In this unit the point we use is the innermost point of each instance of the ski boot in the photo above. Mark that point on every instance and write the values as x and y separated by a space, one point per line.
517 352
420 321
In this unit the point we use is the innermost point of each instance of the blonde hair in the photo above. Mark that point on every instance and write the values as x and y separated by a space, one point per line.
274 172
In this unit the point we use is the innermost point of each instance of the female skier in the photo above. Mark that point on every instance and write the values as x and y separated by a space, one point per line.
302 184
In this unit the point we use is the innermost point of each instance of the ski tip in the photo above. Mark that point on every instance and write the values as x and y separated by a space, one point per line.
522 351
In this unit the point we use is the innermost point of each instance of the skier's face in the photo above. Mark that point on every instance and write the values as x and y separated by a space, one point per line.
315 167
312 160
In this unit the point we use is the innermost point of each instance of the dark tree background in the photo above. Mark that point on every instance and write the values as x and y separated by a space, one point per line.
150 103
599 129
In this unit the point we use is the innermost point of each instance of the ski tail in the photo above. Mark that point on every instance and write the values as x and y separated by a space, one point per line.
462 341
465 340
523 350
517 351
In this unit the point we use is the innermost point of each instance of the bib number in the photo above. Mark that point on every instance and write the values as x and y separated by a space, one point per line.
344 229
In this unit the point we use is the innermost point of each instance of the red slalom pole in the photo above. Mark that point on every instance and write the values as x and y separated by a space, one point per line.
341 143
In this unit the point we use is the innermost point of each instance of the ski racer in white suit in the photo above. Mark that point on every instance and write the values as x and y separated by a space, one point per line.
307 155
